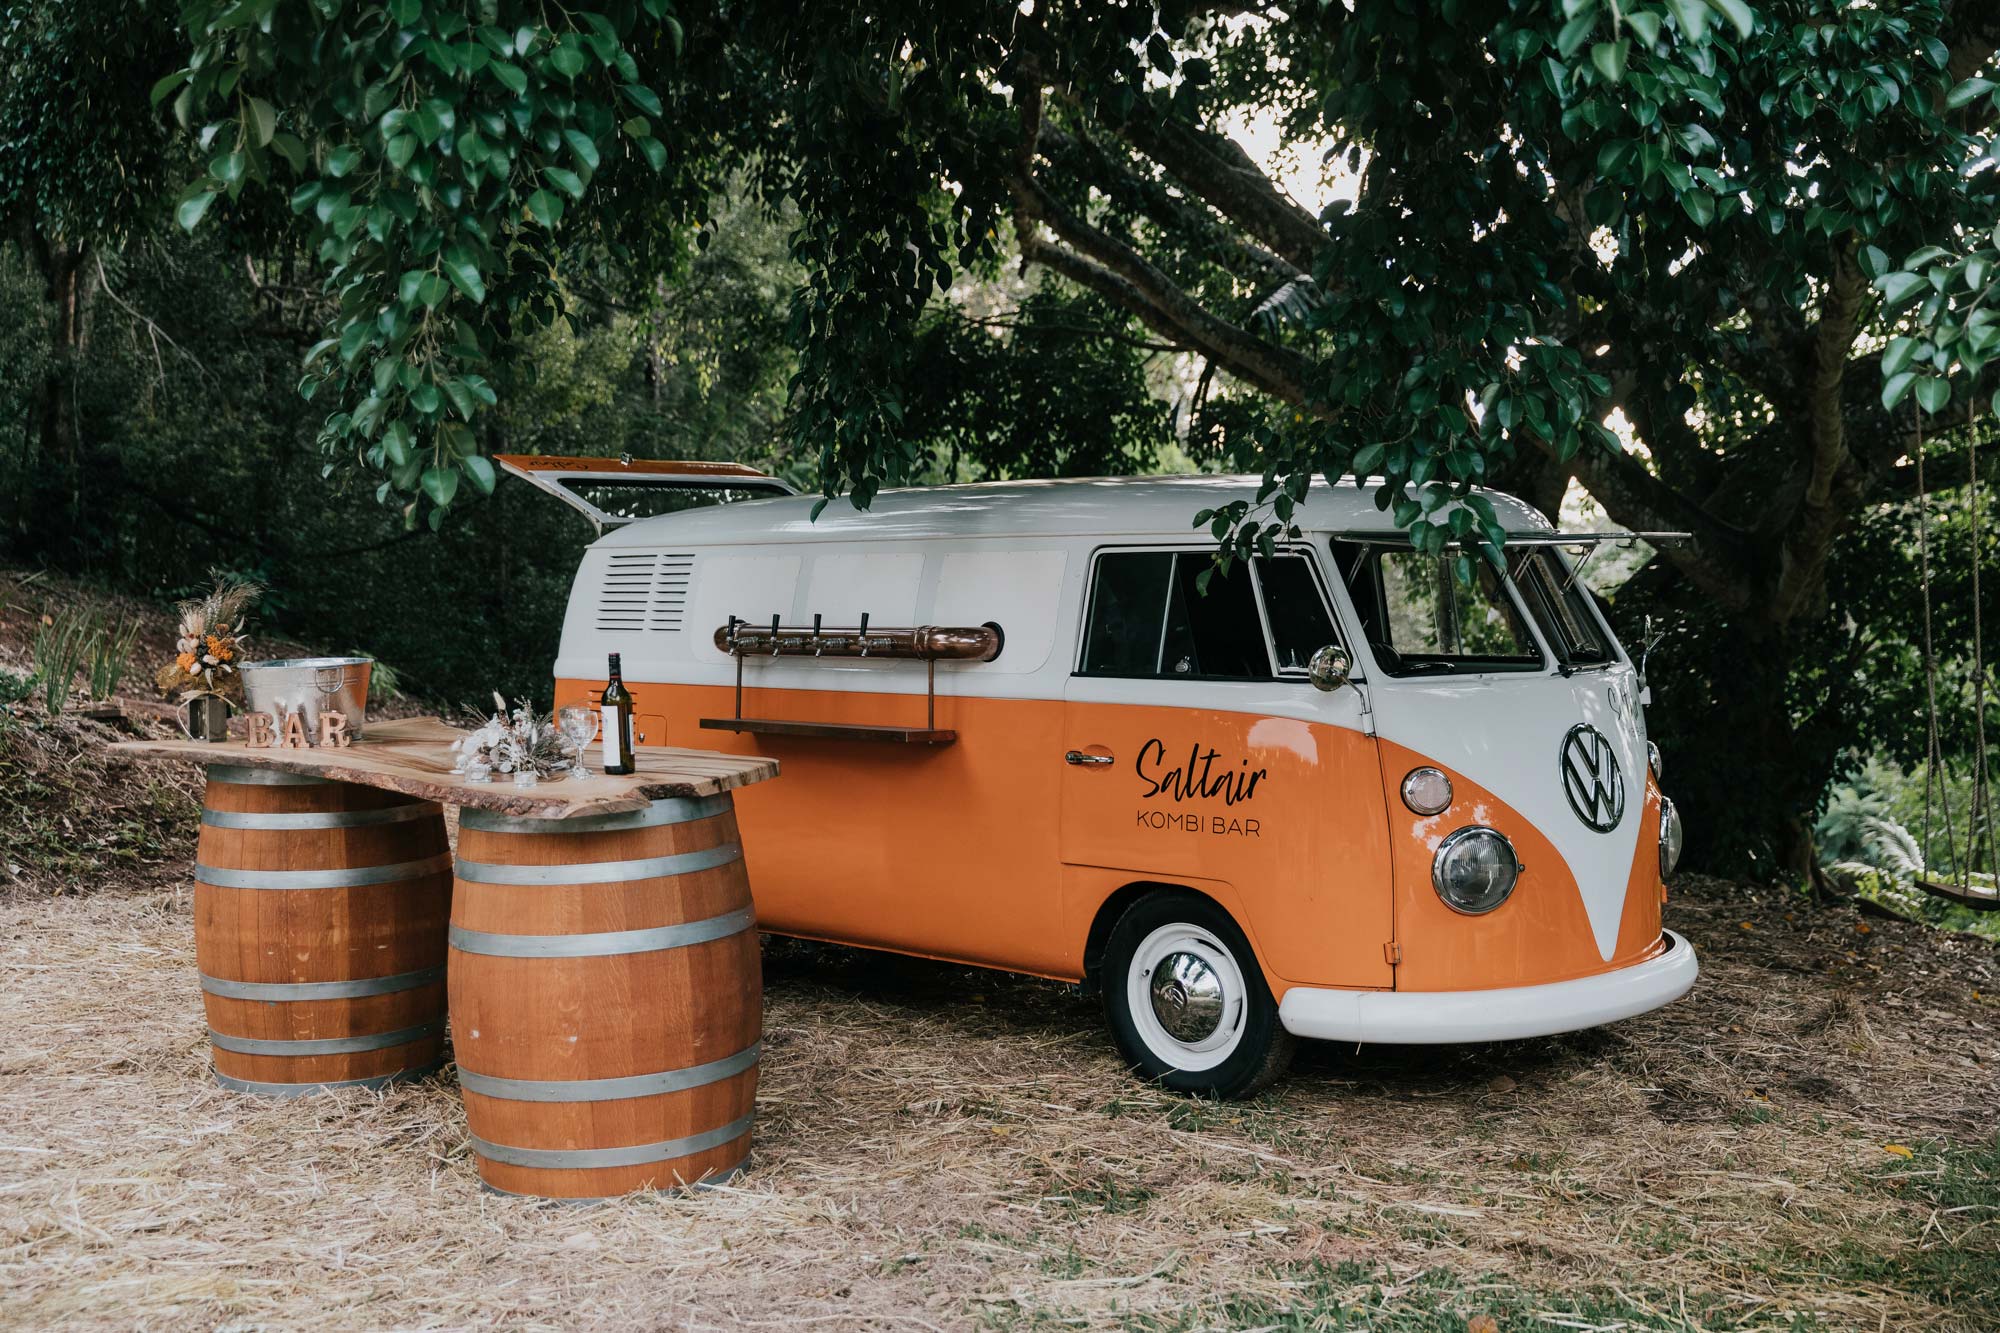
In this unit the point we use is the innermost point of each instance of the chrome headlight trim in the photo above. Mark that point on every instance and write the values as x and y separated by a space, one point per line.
1415 783
1654 762
1672 835
1456 843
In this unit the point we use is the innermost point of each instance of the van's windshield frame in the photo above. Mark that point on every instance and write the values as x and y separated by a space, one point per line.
1558 652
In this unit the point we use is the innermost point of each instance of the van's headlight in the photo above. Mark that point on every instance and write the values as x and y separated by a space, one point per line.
1475 869
1654 762
1671 836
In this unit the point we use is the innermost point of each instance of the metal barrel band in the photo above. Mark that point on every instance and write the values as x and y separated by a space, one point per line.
348 877
609 1089
673 810
264 777
332 1085
589 1159
373 1041
601 872
319 819
604 943
712 1180
282 992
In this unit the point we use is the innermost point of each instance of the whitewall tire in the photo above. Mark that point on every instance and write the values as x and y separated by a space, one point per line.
1186 1001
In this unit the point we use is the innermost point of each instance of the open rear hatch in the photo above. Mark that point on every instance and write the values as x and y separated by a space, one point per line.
611 492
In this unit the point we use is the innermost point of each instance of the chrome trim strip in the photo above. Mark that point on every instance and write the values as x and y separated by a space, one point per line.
264 777
609 1089
373 1041
586 1159
603 943
308 1089
284 992
600 872
349 877
674 810
311 819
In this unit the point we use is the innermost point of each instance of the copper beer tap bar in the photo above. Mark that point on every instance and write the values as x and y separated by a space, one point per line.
929 644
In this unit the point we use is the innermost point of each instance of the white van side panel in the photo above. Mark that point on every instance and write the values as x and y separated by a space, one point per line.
1032 588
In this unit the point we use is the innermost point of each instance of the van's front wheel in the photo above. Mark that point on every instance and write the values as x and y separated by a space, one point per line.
1186 1001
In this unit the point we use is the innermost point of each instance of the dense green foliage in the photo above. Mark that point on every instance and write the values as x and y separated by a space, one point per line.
433 159
1757 239
197 453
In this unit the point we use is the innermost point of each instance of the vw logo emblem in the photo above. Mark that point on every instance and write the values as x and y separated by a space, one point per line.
1591 779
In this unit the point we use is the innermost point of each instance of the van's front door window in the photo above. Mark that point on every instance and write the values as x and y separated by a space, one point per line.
1300 623
1147 618
1421 618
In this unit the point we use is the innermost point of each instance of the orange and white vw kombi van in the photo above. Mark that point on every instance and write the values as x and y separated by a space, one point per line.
1344 794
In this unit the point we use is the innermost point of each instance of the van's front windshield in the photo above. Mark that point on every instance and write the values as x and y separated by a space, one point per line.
1421 618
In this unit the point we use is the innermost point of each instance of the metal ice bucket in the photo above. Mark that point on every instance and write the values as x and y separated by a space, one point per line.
308 684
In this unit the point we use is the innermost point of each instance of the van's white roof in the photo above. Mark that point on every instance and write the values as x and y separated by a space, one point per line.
1087 507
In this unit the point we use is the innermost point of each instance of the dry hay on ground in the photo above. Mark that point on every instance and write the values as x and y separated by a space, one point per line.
939 1149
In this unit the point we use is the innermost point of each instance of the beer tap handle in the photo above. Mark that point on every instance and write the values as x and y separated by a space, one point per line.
774 636
734 623
862 634
818 647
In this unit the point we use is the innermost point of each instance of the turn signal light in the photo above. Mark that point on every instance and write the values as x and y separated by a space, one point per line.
1426 790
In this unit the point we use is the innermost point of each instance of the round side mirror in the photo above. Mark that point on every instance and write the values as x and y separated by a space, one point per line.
1330 667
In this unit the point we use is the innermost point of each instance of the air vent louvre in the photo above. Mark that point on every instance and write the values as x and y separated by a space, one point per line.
644 590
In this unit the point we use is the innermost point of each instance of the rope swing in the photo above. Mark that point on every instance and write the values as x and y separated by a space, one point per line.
1979 816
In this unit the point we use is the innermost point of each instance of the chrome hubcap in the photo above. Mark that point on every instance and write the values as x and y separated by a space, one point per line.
1187 997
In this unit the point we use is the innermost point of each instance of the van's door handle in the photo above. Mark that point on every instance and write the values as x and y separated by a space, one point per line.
1079 757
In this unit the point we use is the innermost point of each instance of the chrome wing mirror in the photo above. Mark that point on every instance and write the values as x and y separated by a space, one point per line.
1330 667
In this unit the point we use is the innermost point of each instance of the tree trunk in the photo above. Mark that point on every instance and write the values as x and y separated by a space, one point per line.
67 286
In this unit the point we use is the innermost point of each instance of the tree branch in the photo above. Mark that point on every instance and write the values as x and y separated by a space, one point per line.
1117 272
1158 202
1216 170
1717 560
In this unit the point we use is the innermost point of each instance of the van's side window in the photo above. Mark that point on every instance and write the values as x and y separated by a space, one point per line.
1128 609
1300 623
1148 619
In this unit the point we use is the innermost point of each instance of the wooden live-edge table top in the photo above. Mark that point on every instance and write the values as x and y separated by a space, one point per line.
413 756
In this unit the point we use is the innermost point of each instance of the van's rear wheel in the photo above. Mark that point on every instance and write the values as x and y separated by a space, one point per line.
1186 1001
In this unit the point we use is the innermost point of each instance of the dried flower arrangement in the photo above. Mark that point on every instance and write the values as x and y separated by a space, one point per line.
211 639
518 742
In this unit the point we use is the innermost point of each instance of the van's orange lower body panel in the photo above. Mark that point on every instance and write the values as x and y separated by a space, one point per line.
992 851
1541 934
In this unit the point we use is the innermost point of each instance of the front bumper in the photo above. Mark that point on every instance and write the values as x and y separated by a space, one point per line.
1428 1017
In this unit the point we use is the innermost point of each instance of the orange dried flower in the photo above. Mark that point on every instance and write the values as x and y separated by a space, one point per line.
186 662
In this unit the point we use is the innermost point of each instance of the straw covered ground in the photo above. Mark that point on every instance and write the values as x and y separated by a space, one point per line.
1808 1141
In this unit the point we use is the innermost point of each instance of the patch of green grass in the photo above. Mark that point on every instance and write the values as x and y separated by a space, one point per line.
1357 1299
1108 1194
1065 1266
1947 1247
1953 1197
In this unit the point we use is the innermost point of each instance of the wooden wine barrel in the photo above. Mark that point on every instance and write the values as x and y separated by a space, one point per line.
606 997
320 914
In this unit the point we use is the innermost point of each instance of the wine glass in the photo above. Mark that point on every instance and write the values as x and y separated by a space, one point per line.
579 727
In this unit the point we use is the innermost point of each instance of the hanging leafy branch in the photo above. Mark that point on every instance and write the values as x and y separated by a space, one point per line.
432 159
